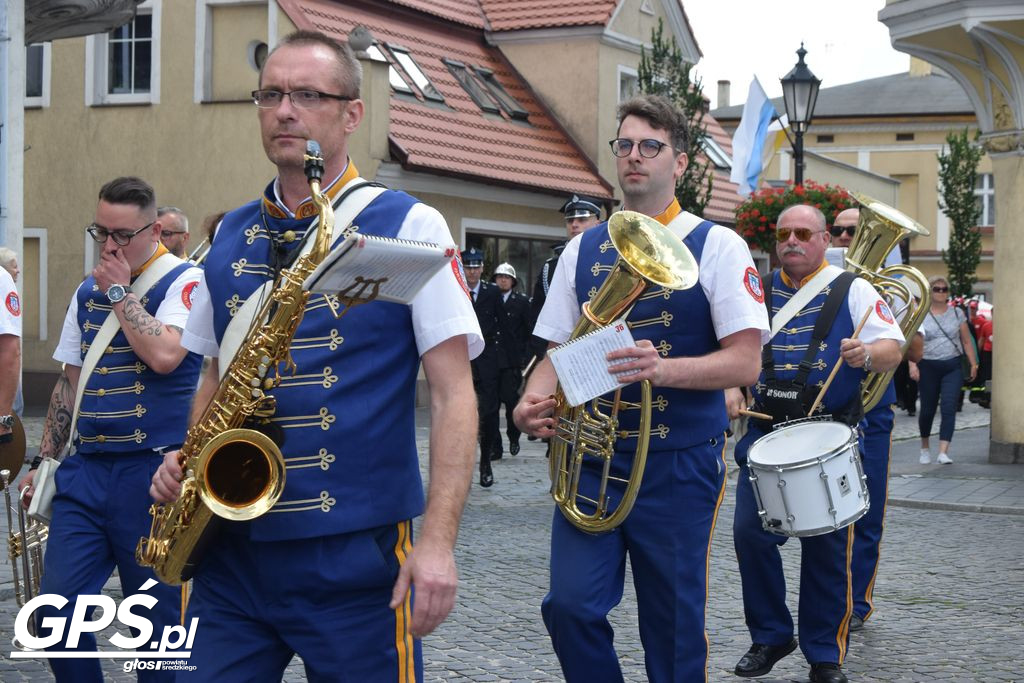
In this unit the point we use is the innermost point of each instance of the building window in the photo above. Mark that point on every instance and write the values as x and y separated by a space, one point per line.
414 72
826 138
629 83
715 153
527 255
509 104
395 79
37 75
904 137
985 196
123 66
473 88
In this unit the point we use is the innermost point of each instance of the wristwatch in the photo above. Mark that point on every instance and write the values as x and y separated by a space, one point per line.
7 421
118 292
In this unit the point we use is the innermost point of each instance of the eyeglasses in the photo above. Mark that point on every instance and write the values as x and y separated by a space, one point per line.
623 147
940 290
838 230
170 233
802 234
120 237
304 99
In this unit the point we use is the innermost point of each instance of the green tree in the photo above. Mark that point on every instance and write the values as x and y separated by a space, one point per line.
665 72
958 173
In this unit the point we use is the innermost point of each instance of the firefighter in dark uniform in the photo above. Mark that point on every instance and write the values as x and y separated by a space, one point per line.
580 213
487 305
514 327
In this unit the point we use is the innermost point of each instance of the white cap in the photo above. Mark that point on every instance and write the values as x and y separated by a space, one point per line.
506 269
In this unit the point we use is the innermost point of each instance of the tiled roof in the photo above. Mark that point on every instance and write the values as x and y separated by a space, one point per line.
456 138
896 95
724 200
511 15
466 12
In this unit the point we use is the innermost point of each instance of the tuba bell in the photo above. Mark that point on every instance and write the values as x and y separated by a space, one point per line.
649 254
880 228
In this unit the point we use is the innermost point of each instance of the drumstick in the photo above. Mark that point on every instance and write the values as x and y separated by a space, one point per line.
835 368
754 413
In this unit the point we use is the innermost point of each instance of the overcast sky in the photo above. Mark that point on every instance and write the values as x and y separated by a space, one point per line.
844 40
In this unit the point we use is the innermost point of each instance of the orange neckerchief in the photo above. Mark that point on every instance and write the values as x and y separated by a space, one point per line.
307 208
786 280
160 251
666 216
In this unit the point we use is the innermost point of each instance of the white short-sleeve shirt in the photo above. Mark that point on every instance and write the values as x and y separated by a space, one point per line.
173 310
723 274
441 310
10 305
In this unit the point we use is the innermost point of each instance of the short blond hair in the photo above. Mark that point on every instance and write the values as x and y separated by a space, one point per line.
7 256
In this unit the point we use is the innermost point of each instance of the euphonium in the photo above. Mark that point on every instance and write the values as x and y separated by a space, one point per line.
230 471
649 254
879 229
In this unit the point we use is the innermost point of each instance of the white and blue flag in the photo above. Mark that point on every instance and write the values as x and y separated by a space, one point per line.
748 142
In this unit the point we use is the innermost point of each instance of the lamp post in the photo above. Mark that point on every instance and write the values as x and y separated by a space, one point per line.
800 92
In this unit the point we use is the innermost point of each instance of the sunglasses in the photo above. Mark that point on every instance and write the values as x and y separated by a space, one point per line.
940 290
838 230
802 234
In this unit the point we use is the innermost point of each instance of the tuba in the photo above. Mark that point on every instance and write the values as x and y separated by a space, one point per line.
649 254
232 472
879 229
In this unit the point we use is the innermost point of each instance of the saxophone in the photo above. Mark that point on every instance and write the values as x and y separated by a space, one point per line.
232 472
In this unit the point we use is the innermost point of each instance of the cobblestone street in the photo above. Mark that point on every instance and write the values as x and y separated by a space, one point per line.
948 597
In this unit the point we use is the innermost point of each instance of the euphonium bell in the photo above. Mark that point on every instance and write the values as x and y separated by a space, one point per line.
880 228
649 254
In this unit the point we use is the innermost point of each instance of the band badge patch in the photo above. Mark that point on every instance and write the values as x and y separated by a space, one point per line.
752 281
187 293
460 274
883 312
13 303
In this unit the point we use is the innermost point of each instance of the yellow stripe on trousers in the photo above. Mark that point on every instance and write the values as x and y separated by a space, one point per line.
403 639
844 625
707 556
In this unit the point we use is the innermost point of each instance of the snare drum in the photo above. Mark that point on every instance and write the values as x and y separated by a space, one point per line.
807 478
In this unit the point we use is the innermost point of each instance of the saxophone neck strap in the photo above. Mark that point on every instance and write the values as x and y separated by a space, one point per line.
145 282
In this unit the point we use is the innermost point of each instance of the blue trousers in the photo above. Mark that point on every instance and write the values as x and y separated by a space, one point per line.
668 538
876 446
324 598
100 511
825 601
939 387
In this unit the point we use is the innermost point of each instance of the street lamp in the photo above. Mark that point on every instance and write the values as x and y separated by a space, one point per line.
800 92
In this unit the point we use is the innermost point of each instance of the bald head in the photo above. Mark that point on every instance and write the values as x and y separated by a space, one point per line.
844 225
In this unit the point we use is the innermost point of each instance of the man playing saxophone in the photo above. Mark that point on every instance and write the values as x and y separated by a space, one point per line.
692 344
327 573
134 404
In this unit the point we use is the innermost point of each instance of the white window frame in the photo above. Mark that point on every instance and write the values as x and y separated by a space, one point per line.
44 99
713 151
96 65
987 194
44 258
628 71
203 63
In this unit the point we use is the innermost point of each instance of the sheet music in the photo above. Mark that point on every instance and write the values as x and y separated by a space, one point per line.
582 366
396 269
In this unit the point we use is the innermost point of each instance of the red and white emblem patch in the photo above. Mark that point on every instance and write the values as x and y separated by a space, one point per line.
460 274
13 303
752 281
883 312
186 294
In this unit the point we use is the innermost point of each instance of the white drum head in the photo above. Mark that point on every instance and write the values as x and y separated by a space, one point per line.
799 442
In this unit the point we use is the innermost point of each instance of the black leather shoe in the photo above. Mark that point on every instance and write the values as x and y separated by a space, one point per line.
513 447
760 659
486 479
827 672
856 623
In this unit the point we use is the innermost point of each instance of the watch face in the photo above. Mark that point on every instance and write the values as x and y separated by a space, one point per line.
116 292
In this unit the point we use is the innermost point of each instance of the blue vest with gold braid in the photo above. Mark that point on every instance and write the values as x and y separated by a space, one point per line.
126 406
678 324
790 345
347 412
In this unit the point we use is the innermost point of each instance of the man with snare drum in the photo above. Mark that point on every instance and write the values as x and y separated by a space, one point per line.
810 337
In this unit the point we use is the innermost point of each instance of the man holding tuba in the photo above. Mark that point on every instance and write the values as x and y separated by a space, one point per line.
130 379
813 333
691 344
328 572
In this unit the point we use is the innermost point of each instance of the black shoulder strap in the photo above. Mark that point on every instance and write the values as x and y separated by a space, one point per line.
836 296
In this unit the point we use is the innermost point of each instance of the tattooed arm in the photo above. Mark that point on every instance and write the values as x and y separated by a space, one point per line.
57 428
158 345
